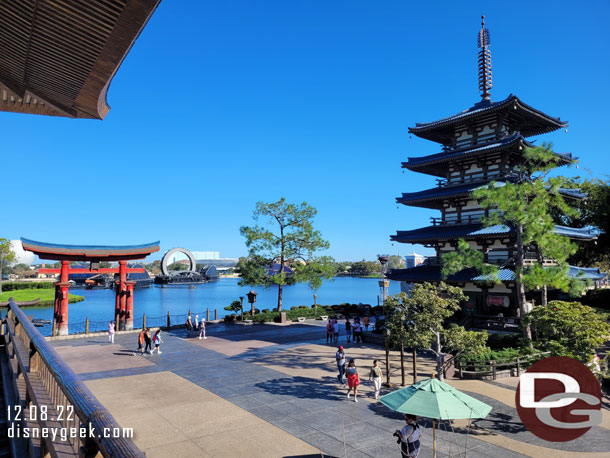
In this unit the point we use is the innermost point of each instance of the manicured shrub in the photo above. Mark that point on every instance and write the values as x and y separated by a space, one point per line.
500 341
15 285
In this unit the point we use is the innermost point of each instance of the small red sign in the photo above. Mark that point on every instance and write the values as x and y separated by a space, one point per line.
498 301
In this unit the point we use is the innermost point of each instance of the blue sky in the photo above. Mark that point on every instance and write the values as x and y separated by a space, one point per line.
223 104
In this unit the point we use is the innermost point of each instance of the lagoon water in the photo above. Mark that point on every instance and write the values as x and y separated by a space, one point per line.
156 301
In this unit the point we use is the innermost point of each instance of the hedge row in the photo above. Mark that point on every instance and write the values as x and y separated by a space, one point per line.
15 285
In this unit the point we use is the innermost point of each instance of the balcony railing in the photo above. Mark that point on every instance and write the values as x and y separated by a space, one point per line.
465 219
42 382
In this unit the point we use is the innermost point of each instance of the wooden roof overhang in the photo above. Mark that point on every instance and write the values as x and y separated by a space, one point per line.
518 116
452 232
89 253
438 164
433 273
435 198
447 232
58 57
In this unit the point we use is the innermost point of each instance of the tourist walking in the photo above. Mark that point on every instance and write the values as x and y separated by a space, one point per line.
111 332
202 329
196 324
140 342
409 437
352 379
157 341
340 358
147 339
348 329
366 321
357 332
336 331
329 331
376 377
189 326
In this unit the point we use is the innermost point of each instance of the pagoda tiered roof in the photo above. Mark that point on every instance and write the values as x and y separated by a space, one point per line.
434 197
478 230
520 117
432 273
437 164
450 231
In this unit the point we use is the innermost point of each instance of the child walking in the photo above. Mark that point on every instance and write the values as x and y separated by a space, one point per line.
157 341
111 332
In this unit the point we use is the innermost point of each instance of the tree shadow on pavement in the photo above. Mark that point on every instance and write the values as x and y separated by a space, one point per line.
303 388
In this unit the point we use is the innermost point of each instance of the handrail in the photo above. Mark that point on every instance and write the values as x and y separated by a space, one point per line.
491 366
86 406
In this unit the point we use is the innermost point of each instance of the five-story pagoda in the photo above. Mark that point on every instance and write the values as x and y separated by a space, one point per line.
481 144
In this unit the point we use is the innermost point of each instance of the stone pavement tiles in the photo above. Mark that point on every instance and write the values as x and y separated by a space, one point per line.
289 381
173 417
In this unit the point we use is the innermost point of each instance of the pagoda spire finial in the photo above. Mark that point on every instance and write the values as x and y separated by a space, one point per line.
483 41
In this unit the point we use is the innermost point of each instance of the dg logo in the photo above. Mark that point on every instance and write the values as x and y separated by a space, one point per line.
559 399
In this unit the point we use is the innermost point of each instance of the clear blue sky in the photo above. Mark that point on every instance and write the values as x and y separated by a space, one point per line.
222 104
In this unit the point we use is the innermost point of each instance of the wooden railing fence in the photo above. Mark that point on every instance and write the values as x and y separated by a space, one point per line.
41 381
491 367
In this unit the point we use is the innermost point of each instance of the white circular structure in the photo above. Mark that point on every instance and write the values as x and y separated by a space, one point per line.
21 256
169 255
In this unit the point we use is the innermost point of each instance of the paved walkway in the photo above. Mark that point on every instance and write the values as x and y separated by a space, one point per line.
271 391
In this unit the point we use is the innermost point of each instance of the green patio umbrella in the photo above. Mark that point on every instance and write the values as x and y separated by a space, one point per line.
434 399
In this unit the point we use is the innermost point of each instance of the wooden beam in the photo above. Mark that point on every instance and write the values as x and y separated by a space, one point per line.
134 270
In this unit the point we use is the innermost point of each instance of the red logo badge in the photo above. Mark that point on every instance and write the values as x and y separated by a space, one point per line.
559 399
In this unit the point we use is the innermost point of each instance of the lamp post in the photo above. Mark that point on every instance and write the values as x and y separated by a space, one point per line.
241 307
252 299
383 283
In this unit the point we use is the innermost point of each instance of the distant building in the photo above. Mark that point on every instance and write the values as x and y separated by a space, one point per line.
206 255
414 259
200 256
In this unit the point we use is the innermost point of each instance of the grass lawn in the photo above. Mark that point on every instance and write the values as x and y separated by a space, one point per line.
47 296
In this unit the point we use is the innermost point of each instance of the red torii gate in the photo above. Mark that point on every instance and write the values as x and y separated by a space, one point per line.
93 254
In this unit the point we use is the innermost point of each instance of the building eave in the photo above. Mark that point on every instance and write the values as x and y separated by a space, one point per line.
434 130
60 59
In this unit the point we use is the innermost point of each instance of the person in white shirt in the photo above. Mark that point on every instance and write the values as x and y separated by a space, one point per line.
202 329
409 437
